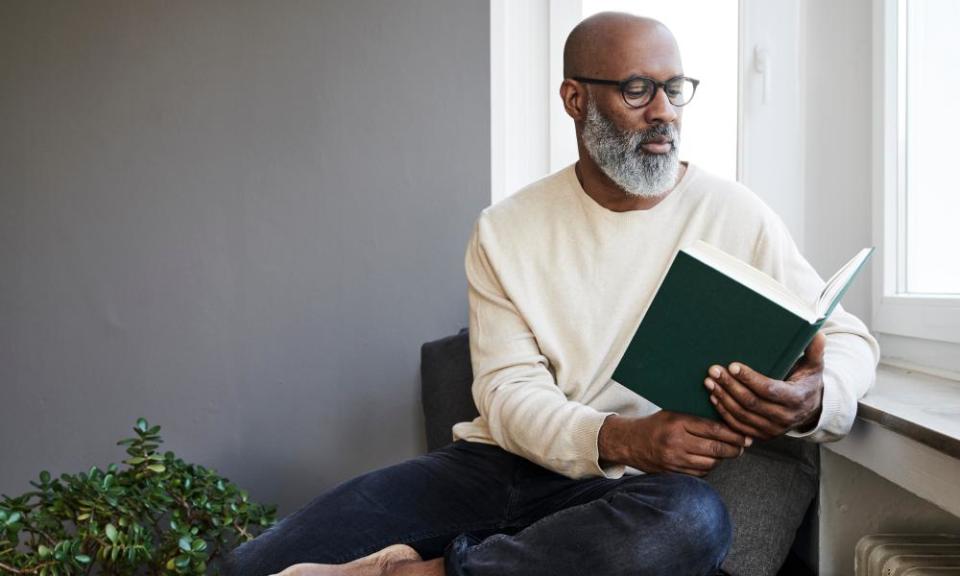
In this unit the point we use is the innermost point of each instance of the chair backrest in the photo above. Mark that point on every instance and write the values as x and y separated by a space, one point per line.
446 378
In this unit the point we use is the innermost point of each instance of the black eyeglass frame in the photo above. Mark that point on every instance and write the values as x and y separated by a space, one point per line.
622 84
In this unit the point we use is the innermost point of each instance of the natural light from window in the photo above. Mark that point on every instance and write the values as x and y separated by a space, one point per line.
707 32
932 123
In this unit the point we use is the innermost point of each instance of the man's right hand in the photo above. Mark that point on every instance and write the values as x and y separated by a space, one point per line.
668 442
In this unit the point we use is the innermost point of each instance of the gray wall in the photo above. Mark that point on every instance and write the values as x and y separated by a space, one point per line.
238 219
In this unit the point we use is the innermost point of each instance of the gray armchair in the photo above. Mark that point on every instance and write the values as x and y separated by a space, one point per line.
768 491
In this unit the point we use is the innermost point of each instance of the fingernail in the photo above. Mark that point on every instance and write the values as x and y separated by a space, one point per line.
710 384
714 400
715 371
735 368
748 442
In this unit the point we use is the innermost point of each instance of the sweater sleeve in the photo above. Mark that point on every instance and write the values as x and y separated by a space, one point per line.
851 353
514 387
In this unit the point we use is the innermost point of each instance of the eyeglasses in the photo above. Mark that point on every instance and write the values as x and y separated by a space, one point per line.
638 91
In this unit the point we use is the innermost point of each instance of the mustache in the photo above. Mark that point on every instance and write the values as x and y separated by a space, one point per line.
655 132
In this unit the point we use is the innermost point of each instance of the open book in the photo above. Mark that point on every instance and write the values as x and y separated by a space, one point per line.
712 308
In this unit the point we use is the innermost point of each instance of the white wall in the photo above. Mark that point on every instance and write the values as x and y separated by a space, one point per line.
838 127
771 130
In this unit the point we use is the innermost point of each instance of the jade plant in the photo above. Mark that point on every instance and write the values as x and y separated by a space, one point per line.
156 515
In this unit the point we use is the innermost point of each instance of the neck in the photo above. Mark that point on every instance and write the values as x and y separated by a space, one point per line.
605 192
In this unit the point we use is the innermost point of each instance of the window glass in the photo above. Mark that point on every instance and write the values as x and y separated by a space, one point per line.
932 116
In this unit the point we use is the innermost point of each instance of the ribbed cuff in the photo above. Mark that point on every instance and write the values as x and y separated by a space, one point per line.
592 440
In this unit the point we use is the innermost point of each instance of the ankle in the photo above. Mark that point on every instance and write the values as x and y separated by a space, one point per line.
415 568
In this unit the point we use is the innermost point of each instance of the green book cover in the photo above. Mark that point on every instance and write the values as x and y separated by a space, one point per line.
713 309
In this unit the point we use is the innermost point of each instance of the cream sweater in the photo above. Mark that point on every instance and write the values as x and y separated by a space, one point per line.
558 284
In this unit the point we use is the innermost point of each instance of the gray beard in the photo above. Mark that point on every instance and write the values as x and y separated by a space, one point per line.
618 153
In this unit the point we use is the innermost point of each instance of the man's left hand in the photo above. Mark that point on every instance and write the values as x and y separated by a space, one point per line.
764 408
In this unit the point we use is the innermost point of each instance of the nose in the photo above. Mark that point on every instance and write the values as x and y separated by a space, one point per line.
660 110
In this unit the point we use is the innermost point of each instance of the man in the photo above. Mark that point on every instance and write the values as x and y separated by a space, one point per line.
549 479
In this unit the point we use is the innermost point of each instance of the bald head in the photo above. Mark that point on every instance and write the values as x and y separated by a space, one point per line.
598 44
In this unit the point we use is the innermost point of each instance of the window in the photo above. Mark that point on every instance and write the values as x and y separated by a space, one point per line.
917 290
931 81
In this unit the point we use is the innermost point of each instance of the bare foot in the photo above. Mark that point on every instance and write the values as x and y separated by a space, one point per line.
376 564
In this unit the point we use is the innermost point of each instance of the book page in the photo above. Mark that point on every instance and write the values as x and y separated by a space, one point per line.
837 284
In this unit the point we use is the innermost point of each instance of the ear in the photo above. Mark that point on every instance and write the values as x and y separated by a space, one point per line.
574 96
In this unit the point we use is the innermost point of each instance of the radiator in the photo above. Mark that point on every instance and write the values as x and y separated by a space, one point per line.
908 555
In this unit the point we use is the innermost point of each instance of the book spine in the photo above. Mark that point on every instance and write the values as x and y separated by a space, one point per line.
794 350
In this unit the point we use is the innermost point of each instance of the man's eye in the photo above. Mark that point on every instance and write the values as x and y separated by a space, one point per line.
637 93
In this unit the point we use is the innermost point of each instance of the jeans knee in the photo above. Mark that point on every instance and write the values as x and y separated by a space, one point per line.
701 519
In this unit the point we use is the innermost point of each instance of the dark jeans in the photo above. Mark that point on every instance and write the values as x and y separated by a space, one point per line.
487 511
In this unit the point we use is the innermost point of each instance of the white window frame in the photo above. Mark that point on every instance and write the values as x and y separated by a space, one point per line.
895 312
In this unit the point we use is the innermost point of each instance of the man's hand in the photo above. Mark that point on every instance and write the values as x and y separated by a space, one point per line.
765 408
668 442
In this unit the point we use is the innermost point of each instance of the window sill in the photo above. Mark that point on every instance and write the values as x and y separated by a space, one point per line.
919 406
908 431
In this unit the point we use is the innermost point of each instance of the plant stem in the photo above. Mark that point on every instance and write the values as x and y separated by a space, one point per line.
12 569
241 530
33 570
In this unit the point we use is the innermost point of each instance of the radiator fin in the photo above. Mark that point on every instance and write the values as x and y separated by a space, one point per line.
908 555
